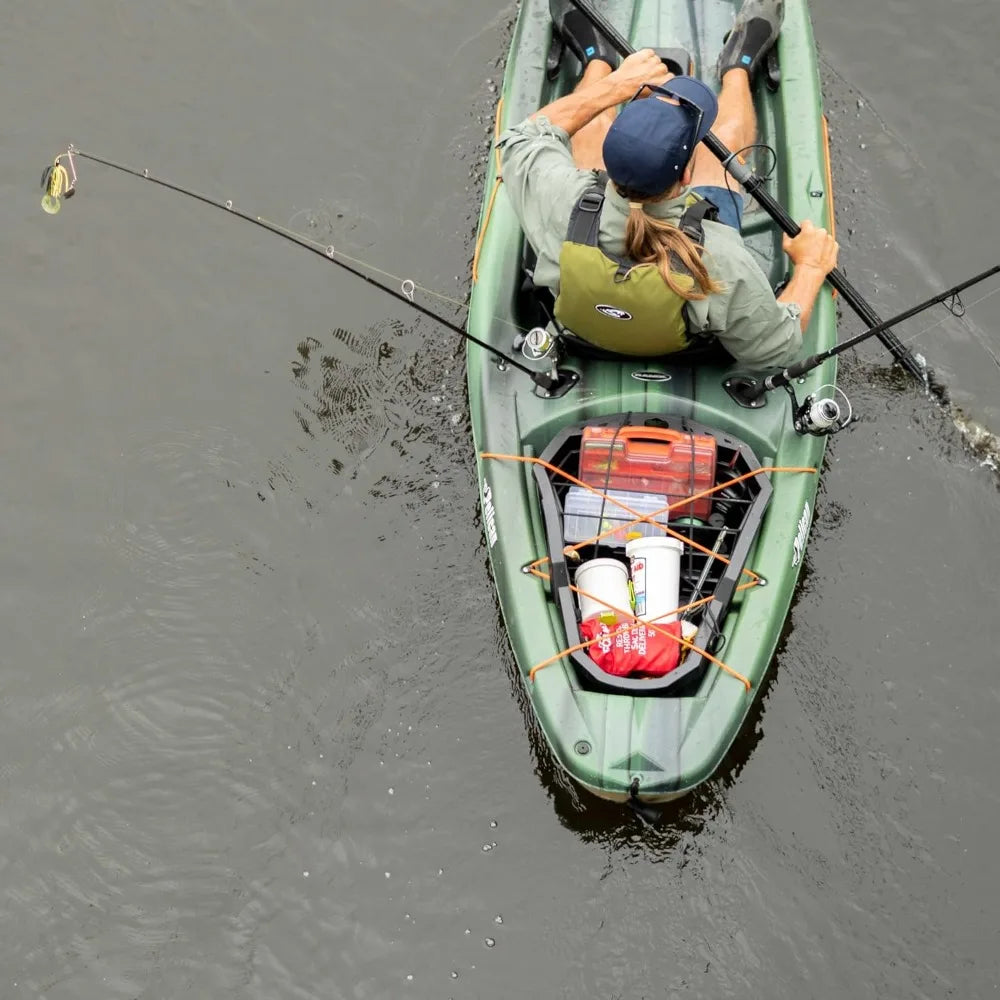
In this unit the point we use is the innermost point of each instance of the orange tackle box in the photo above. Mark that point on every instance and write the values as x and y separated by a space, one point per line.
651 460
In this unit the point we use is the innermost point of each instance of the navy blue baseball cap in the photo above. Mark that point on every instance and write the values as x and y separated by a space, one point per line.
652 141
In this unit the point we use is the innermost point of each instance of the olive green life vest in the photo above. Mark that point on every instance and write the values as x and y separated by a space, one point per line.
614 303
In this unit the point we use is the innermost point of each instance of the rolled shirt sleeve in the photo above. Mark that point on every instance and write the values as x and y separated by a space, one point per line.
542 184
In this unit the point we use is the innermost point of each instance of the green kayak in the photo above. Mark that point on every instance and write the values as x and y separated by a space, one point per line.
651 738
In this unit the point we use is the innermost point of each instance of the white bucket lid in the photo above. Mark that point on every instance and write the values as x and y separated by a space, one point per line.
636 546
597 563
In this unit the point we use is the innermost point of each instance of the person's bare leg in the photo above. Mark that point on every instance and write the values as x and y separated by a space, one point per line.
588 143
735 125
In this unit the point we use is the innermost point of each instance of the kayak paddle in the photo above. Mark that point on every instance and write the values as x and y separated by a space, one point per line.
754 185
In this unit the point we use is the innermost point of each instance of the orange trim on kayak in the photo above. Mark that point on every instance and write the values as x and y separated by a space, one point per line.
831 222
493 196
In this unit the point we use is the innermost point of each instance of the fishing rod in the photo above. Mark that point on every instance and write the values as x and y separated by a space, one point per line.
822 416
753 184
950 296
59 182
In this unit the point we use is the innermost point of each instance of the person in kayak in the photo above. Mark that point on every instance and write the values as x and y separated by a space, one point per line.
642 264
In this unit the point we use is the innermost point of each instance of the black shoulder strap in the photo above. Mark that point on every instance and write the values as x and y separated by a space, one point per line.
585 219
691 221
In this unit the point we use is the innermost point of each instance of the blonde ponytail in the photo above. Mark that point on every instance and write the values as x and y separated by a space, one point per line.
653 241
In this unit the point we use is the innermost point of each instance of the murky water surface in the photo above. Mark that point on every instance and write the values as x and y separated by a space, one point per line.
259 729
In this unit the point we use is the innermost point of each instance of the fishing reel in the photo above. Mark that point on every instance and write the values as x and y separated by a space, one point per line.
544 350
816 414
537 345
58 183
819 417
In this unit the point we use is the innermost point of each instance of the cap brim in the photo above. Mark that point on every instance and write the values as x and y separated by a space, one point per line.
699 94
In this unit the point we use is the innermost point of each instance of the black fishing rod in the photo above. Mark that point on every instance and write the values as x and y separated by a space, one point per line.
751 390
753 184
58 183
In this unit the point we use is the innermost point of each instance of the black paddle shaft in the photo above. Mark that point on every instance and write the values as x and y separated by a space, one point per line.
754 186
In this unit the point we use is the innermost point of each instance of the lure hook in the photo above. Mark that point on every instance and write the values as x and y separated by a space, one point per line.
58 182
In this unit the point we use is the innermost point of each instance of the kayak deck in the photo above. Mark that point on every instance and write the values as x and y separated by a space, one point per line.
654 744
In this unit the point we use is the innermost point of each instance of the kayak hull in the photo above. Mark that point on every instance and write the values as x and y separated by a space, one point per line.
620 745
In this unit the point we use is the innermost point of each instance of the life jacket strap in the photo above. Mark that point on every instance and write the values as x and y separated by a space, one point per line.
690 223
585 219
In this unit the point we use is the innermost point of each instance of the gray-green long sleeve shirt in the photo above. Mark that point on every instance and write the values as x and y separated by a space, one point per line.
543 184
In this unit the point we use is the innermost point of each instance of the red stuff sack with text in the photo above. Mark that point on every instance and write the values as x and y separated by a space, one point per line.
625 649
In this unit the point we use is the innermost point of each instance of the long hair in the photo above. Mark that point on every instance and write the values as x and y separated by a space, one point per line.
654 241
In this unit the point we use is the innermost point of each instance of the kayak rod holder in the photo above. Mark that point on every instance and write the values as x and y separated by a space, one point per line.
744 391
554 383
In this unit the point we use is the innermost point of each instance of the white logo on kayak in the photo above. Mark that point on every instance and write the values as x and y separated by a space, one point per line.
799 545
613 312
489 515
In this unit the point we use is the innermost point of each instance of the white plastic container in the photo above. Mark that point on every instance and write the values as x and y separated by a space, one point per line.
689 630
587 514
656 577
606 580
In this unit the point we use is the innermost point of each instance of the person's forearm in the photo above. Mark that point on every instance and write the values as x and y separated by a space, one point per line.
802 289
581 107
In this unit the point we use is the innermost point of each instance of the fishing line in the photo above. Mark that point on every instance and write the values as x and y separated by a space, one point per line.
411 285
747 390
58 183
960 316
865 102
